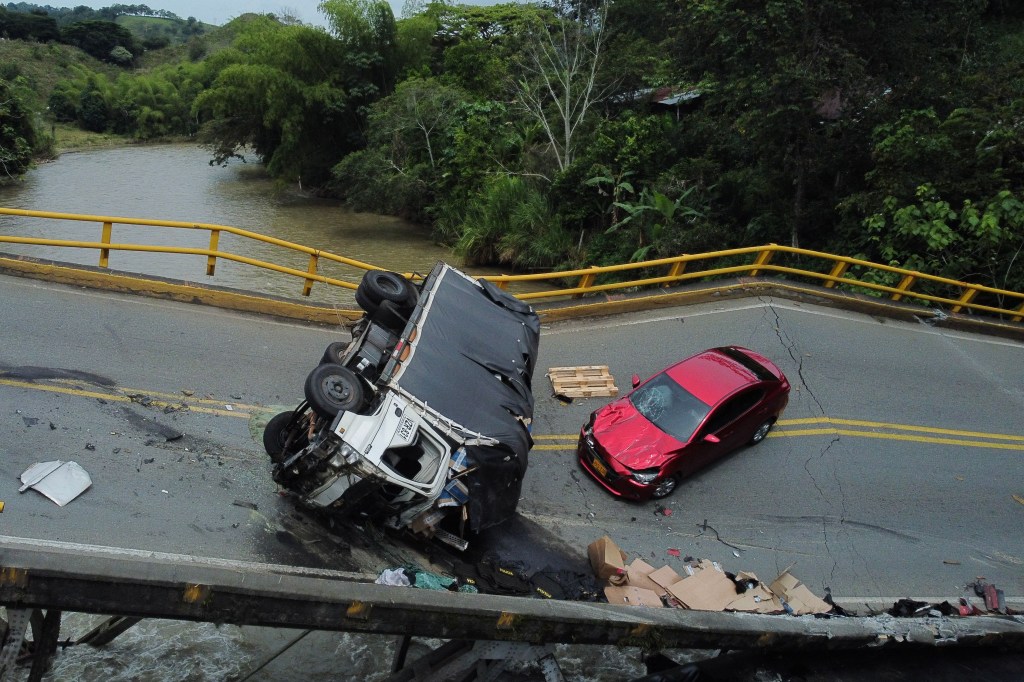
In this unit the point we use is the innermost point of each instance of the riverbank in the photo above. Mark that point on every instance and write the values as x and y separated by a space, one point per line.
70 138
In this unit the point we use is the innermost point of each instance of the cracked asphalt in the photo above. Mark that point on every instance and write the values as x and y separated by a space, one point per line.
892 473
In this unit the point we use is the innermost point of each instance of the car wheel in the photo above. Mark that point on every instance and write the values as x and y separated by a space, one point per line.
280 435
334 353
761 432
665 487
380 285
332 388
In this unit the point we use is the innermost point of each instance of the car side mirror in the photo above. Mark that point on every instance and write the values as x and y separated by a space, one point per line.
712 438
635 380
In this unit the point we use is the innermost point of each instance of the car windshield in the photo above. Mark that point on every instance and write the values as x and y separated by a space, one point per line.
670 407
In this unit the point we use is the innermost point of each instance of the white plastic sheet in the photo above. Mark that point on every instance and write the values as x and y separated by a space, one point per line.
60 481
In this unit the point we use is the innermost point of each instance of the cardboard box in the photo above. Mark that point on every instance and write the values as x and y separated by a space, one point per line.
607 560
664 576
797 595
708 589
638 574
629 595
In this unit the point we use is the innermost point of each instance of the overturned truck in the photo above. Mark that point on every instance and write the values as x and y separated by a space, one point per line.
423 420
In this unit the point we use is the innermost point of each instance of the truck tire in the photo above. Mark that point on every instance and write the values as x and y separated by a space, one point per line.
332 388
279 436
333 353
378 286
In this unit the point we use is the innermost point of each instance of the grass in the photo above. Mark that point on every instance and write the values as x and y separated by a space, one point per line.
69 138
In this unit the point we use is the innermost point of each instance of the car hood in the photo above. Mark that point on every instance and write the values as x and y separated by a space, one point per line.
631 438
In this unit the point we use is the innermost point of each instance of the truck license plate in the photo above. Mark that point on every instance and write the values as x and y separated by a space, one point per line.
599 467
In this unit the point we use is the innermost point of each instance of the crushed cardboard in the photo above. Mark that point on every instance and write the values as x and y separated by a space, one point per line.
797 595
708 589
638 574
703 585
629 595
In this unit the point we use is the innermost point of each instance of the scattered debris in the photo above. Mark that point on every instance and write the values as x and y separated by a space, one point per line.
53 427
29 421
1 506
90 446
393 576
1018 498
247 505
950 562
141 399
229 408
587 381
187 392
674 552
58 480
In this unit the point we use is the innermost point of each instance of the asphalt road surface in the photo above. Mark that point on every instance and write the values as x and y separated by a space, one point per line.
897 469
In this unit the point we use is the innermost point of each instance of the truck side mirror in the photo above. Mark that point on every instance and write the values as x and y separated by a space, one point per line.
635 380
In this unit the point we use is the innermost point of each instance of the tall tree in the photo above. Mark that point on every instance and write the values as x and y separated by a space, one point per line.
558 84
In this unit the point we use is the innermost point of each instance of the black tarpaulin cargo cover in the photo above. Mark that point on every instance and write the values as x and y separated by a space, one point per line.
472 361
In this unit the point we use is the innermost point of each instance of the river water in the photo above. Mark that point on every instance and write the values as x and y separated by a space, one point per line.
176 183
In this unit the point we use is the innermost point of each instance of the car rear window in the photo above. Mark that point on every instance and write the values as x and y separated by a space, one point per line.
670 407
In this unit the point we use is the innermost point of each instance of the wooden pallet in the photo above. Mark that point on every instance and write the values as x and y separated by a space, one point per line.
588 381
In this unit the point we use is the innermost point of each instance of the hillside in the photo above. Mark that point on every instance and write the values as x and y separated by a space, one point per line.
43 66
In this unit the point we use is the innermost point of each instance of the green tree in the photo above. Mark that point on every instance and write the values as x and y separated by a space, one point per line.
99 38
791 90
978 241
17 134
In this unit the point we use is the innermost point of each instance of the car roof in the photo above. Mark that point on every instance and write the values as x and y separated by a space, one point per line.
713 374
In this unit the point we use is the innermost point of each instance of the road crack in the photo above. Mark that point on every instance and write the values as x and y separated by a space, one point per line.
790 346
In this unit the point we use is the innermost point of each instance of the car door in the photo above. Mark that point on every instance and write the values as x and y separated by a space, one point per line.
733 421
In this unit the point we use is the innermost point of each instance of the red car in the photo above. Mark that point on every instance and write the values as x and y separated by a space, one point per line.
641 445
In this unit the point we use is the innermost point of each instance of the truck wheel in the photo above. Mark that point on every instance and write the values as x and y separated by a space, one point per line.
334 353
281 429
332 388
380 285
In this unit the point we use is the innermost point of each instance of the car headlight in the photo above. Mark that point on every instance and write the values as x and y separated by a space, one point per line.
646 476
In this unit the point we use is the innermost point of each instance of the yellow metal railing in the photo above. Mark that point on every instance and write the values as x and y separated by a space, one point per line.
827 270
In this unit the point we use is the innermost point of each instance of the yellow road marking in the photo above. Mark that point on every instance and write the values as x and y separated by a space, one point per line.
568 441
897 427
118 397
899 436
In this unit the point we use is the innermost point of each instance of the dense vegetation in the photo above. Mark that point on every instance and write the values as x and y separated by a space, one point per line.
573 132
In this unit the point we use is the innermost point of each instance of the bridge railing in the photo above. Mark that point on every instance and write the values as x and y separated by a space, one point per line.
773 261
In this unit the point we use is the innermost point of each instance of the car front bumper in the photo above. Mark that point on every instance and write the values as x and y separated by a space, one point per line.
617 482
